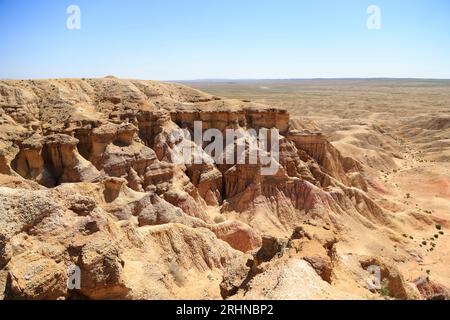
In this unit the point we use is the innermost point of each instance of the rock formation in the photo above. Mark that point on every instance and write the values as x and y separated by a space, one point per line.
89 177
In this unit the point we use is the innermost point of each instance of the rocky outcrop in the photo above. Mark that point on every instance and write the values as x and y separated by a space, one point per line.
238 235
314 144
4 167
53 160
20 212
391 278
328 158
431 290
79 232
36 277
96 179
315 254
64 161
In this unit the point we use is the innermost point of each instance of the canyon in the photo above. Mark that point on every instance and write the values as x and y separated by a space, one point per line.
88 178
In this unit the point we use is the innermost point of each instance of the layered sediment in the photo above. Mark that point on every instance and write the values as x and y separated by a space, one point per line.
89 177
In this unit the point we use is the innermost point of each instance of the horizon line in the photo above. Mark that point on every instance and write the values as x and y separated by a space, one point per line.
312 78
236 79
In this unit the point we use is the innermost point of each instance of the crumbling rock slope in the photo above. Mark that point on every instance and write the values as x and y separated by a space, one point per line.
89 177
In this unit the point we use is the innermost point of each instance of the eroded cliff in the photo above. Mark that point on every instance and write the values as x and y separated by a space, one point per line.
89 177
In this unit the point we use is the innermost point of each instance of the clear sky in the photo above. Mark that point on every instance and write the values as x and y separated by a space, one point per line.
198 39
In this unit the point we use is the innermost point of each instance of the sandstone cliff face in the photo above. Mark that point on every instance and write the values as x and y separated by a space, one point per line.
52 160
90 177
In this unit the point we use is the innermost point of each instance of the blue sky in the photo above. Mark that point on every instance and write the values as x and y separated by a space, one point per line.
197 39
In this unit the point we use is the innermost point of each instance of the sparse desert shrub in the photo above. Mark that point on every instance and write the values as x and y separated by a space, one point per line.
384 291
439 227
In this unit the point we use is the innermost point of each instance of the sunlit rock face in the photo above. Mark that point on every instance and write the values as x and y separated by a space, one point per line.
90 177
